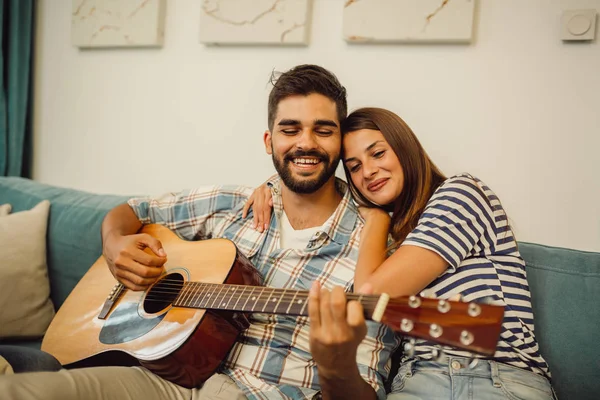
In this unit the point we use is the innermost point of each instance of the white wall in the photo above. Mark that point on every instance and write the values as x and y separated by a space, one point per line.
518 108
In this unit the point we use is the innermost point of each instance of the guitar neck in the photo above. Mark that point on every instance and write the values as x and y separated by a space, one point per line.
255 299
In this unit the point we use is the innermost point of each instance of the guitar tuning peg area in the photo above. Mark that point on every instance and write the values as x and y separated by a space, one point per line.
435 331
406 325
474 310
443 306
466 338
414 302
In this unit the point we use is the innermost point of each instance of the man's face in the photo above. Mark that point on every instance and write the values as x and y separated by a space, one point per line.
306 142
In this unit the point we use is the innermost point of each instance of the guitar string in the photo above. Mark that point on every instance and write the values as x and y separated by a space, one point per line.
283 294
273 294
196 286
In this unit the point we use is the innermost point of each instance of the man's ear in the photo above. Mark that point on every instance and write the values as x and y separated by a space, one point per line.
267 140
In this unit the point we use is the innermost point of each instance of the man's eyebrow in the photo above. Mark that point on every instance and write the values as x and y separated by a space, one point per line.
288 122
326 122
369 147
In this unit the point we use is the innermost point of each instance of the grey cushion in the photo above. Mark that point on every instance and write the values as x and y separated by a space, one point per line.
74 241
24 286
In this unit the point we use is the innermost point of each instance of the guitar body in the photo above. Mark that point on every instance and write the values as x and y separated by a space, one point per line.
182 345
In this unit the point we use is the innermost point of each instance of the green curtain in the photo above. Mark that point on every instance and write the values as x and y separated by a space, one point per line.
16 36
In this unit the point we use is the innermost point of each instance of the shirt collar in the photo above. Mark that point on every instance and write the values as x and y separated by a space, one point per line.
338 227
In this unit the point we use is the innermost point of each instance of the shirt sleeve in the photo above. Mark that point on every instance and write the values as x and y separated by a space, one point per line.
457 221
191 214
374 356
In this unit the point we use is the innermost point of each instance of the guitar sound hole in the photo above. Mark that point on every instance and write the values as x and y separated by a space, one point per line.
161 295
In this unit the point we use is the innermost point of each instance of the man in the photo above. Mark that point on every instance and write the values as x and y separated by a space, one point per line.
311 242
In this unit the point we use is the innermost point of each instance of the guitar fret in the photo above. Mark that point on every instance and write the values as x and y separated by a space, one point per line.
231 294
239 298
304 306
186 293
267 302
192 289
291 302
192 293
216 299
201 289
280 299
253 307
209 295
251 293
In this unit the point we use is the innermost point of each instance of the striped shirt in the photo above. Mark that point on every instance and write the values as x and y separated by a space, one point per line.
271 359
466 225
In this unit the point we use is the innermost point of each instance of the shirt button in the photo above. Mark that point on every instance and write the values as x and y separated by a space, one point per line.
455 365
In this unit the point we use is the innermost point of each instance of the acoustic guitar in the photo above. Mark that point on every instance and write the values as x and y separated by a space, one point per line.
183 326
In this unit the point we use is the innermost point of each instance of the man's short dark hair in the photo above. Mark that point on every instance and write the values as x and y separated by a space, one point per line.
304 80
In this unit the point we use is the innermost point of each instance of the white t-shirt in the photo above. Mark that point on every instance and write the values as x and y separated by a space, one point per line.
294 239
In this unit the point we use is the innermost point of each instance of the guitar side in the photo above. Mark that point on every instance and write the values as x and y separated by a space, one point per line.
182 345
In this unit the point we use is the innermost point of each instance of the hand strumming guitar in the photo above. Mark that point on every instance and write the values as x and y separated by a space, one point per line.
135 260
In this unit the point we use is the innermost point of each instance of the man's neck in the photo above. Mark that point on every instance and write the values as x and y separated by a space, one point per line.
310 210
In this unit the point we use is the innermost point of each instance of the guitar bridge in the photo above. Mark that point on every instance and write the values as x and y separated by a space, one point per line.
110 300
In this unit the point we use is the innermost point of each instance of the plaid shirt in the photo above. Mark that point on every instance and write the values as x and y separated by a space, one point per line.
271 359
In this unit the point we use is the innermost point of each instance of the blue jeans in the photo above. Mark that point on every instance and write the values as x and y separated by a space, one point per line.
24 359
452 379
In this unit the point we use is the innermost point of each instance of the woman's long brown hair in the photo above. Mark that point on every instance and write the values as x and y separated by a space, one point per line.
421 176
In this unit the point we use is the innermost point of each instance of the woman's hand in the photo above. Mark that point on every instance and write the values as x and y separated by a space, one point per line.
372 213
261 202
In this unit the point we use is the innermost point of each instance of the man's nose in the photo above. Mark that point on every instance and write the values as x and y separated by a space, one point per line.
306 140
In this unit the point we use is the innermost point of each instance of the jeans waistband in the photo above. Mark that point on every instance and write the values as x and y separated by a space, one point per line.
479 367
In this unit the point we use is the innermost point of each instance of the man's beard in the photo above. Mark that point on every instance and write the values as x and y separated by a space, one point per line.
304 186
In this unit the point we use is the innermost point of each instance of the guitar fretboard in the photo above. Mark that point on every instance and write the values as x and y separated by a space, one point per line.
257 299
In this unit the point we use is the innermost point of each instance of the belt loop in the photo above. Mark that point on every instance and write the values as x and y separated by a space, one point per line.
494 372
411 368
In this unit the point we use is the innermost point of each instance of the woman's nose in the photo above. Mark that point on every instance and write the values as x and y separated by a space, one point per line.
369 170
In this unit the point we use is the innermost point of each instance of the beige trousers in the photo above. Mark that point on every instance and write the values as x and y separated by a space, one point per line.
118 383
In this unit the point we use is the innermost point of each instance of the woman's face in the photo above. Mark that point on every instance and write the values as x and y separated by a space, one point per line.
374 167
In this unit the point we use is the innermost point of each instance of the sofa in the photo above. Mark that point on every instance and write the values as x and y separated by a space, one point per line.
564 283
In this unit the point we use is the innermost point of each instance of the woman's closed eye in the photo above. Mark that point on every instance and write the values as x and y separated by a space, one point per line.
353 168
379 154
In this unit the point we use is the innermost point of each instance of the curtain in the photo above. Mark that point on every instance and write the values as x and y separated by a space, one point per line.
16 36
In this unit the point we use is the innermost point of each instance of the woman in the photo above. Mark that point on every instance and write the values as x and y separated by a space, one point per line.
451 237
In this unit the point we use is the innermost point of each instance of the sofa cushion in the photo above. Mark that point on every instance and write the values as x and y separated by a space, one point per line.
565 290
73 242
24 286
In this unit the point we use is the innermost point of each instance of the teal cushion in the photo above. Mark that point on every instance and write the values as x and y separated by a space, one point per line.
74 241
565 290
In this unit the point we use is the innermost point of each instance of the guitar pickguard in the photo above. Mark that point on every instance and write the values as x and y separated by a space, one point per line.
125 324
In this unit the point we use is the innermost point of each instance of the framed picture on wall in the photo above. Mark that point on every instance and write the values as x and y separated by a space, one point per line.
255 22
118 23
